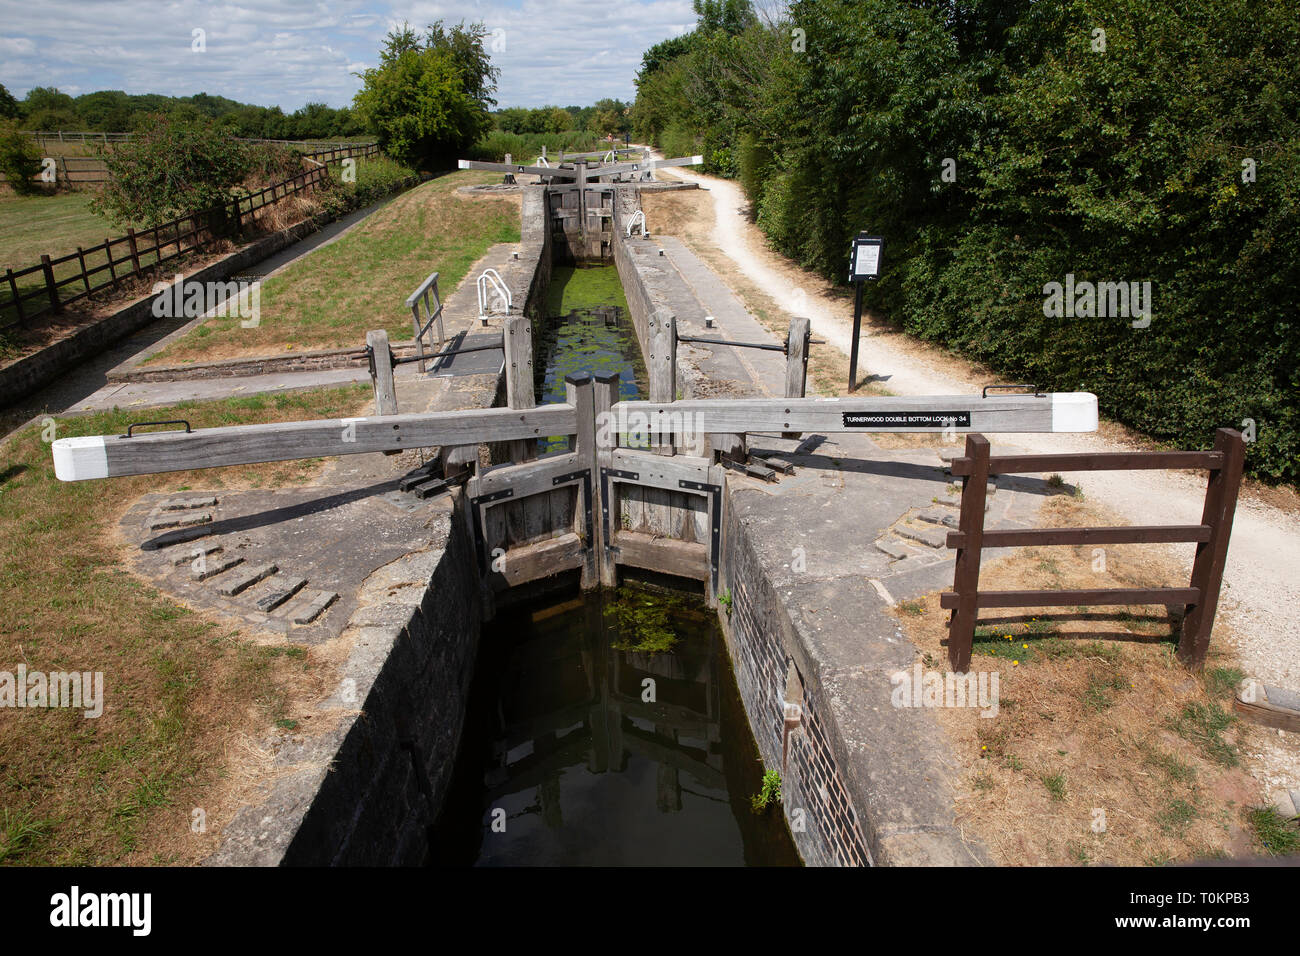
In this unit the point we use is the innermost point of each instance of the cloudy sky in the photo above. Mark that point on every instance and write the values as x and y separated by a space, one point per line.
290 52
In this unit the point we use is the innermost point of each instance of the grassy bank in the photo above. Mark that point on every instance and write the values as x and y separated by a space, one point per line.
331 298
32 226
181 693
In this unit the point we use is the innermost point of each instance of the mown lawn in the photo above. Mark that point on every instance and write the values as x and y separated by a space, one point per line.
331 298
180 692
51 225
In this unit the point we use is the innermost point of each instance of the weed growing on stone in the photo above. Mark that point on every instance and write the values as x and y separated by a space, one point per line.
769 794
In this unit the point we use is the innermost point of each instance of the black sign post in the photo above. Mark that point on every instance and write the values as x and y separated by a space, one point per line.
864 266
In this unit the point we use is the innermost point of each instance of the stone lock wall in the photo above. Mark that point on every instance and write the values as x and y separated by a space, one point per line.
760 638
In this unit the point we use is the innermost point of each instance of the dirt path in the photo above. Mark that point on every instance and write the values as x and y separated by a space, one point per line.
1262 581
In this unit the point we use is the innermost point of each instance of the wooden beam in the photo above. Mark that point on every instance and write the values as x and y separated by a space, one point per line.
111 456
1055 412
1096 461
541 559
796 362
656 471
1132 534
1212 555
382 373
685 559
661 330
547 172
617 169
517 336
1096 597
581 395
966 573
529 478
606 394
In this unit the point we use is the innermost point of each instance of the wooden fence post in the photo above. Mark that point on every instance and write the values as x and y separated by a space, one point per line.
381 372
966 576
50 287
18 302
108 254
580 393
135 252
661 330
796 362
1212 555
81 257
604 511
518 343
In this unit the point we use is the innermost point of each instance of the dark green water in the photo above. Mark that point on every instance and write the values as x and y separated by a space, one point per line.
588 329
565 754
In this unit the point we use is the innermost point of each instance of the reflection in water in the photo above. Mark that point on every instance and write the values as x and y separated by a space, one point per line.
595 755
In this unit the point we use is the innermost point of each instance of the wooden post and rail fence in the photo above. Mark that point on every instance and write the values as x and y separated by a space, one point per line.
1200 598
62 280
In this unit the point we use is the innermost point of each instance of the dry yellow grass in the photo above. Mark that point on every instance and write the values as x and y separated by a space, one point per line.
1105 748
187 696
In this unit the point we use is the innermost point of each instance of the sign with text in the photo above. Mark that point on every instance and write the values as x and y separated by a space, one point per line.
907 419
864 264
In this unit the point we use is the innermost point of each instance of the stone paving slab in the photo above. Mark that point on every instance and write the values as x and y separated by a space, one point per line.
309 606
944 516
210 569
177 519
279 589
181 504
191 555
928 535
241 580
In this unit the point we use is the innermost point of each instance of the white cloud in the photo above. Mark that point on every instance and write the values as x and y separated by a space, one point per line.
286 52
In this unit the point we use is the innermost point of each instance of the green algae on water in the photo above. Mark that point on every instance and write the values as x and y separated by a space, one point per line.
574 289
645 618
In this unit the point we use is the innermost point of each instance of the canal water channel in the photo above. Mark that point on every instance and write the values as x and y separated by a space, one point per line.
605 728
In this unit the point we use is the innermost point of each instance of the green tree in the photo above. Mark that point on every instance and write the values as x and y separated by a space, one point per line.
8 105
20 160
171 167
429 97
611 118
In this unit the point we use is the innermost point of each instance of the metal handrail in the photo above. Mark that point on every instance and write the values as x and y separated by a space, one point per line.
637 217
432 314
493 278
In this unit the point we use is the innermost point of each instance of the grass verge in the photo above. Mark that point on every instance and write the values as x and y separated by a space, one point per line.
331 298
52 225
185 698
1103 747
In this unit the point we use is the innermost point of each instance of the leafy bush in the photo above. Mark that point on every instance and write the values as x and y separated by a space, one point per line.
377 177
20 160
171 168
1171 157
526 147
